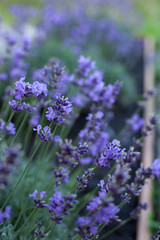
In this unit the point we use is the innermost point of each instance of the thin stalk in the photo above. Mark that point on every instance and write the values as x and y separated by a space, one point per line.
51 232
75 237
48 188
19 129
30 216
10 118
27 138
100 229
115 228
23 173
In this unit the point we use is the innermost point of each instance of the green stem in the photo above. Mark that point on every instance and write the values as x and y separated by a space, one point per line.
19 129
10 118
26 168
27 138
115 228
100 229
50 234
76 237
30 216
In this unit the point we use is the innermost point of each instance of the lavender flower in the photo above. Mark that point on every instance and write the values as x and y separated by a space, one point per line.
61 108
39 89
40 203
39 233
10 129
44 134
6 214
82 182
60 205
22 89
9 162
16 106
101 211
158 233
85 66
3 76
135 123
86 228
137 211
70 155
112 152
61 175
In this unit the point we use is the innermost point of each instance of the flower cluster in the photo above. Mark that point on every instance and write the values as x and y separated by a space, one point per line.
10 128
40 203
6 214
110 153
94 134
60 205
61 108
9 163
135 123
44 133
39 232
101 211
24 90
70 155
158 235
61 175
86 177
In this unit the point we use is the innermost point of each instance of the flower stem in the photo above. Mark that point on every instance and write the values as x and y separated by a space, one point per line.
30 216
9 119
115 228
23 173
19 129
76 237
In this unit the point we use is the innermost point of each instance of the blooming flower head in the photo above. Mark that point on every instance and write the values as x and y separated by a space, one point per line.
40 203
135 123
22 89
61 107
39 89
6 214
44 134
60 205
85 66
111 152
16 106
10 128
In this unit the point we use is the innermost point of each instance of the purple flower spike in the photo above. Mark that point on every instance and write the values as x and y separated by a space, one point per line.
111 152
22 89
16 106
135 123
44 134
85 66
34 194
10 129
50 114
61 107
6 214
40 203
39 89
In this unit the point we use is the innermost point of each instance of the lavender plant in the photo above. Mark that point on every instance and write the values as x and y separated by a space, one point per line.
56 170
57 181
